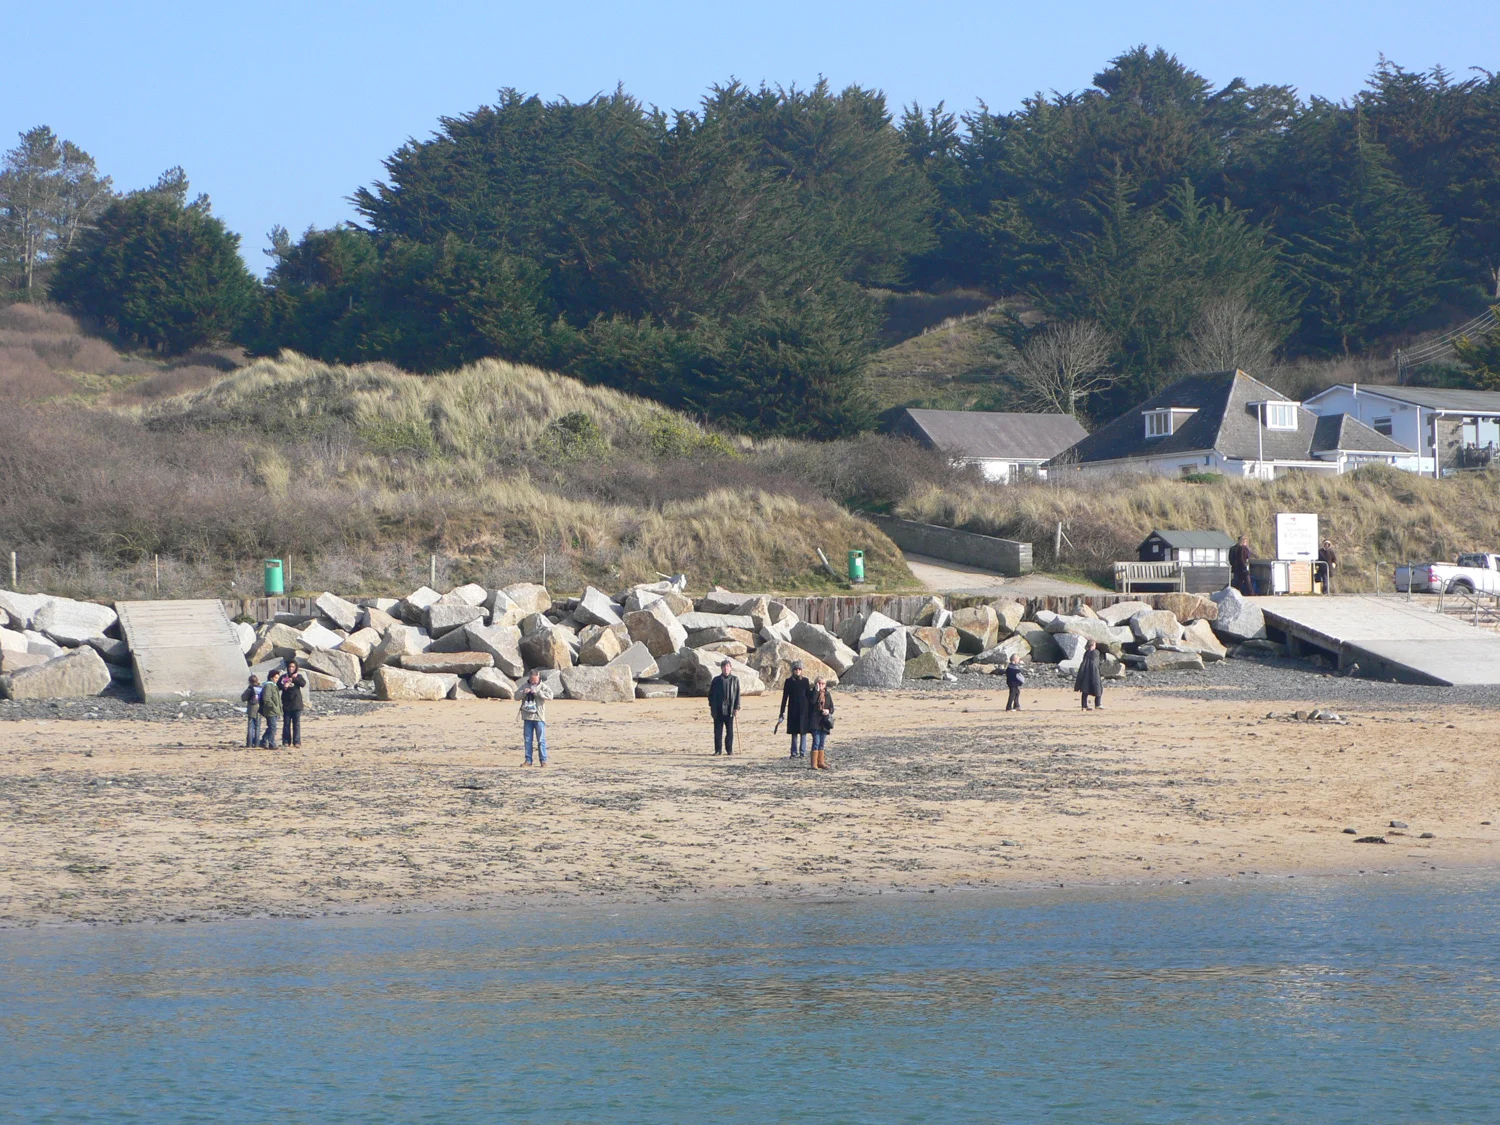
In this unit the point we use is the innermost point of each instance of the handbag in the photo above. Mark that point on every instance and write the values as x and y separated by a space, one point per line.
825 723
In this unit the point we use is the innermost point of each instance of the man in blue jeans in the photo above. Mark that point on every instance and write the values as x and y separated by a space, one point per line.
534 695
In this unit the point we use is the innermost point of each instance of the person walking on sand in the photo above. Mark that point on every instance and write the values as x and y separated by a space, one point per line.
1015 679
1328 562
796 709
270 710
724 706
292 684
534 695
1239 565
1090 679
822 722
250 697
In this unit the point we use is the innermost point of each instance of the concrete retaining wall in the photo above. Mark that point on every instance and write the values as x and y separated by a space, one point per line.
1009 557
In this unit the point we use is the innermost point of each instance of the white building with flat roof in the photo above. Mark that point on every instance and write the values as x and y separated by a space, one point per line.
1445 429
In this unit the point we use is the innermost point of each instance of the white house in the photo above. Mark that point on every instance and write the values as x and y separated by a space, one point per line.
1444 429
1226 422
1004 446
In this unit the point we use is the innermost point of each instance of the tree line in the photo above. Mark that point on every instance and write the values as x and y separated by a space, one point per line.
727 260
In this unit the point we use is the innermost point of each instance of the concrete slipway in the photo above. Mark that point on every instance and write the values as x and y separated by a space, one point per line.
1387 638
183 649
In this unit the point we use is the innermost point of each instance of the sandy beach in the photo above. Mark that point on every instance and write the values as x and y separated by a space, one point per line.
427 805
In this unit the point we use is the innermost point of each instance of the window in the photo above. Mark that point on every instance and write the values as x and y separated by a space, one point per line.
1383 426
1158 423
1281 415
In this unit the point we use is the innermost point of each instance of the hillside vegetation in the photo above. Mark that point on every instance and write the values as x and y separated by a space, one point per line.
356 475
1377 517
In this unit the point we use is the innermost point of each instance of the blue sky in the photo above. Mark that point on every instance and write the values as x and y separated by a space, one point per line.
278 111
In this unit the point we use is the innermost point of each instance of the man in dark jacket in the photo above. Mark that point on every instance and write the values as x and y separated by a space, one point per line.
724 706
292 684
1090 679
270 709
1239 566
1328 562
797 709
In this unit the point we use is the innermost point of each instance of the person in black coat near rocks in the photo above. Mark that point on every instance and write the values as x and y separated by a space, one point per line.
1090 679
293 682
1015 679
797 709
1239 566
724 707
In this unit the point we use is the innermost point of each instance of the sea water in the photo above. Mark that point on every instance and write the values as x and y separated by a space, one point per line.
1296 1000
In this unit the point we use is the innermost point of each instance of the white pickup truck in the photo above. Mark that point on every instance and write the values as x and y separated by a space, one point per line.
1471 574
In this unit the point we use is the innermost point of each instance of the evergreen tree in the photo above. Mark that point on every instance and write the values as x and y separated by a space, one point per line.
159 270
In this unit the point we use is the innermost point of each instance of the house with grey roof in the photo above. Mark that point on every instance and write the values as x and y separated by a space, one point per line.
1004 446
1226 422
1445 429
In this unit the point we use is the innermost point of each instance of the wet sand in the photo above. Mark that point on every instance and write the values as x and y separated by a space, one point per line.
427 805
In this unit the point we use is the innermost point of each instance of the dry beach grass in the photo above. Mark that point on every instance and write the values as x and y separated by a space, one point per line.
426 805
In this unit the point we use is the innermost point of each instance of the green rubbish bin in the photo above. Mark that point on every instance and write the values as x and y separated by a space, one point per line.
856 566
275 583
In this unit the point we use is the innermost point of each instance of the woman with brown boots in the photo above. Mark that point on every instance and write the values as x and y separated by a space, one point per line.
822 722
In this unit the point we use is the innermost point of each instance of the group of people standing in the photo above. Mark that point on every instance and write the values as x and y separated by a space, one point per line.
806 708
277 705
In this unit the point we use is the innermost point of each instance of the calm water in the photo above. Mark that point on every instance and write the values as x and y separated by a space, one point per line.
1360 1000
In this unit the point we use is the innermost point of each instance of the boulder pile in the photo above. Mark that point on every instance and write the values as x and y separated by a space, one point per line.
649 641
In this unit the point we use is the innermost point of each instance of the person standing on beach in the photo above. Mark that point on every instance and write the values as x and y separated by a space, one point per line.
724 706
534 695
1328 562
292 684
1015 678
822 722
251 698
796 709
1090 678
1239 565
270 710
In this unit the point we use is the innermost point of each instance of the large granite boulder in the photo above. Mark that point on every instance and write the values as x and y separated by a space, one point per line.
1121 612
638 659
444 617
1008 615
1198 636
599 685
547 648
114 651
1238 619
471 593
11 660
71 623
1156 627
720 600
1072 647
22 608
12 640
881 665
875 628
503 610
317 636
1111 667
931 613
413 608
502 642
1173 660
530 597
456 663
1100 632
343 666
655 689
38 644
1190 607
657 628
698 621
399 684
600 644
399 641
930 665
929 638
245 632
595 608
322 681
1043 646
824 645
693 670
373 617
726 648
343 614
491 683
978 628
700 637
774 659
1015 644
76 674
280 641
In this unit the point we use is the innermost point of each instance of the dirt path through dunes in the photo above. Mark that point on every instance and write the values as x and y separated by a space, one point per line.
427 803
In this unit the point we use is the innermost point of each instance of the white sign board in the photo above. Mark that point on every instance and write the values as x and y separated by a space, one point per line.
1296 536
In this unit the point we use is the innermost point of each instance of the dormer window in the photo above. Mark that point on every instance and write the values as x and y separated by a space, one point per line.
1281 415
1161 423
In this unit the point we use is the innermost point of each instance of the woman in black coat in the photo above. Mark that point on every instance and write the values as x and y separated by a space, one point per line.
1090 680
797 710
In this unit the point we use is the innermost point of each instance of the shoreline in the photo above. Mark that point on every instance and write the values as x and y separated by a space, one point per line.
418 808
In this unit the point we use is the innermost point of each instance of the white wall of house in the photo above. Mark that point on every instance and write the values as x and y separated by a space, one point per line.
1410 425
1005 471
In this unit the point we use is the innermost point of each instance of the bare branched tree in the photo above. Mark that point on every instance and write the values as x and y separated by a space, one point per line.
1062 364
1228 333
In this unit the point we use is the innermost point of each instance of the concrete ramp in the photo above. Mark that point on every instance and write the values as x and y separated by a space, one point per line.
1387 638
183 649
